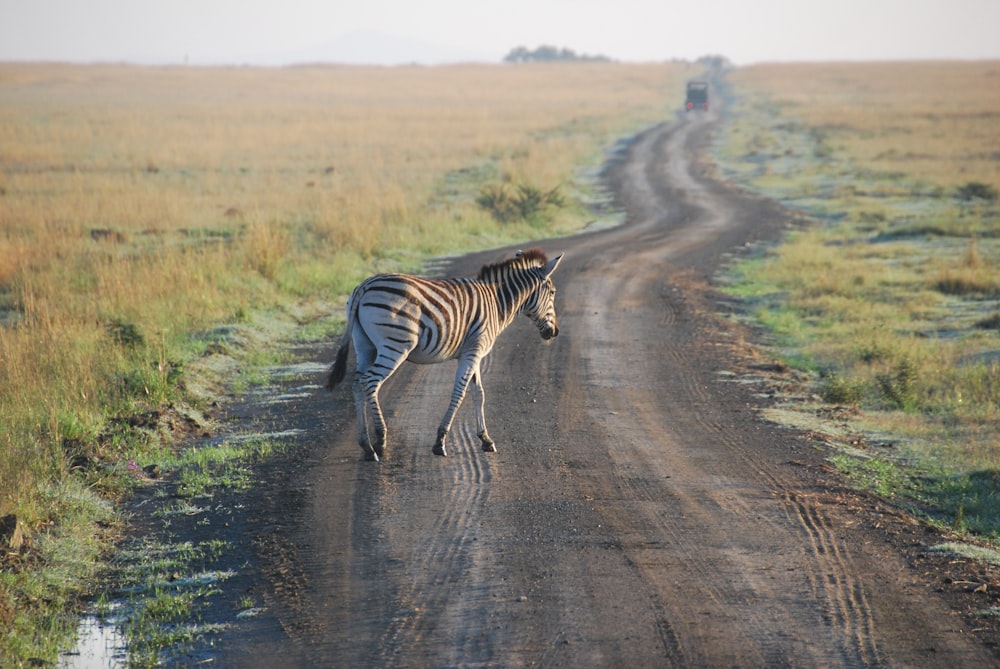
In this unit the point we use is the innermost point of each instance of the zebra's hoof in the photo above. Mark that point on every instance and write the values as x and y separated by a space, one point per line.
371 456
489 447
439 449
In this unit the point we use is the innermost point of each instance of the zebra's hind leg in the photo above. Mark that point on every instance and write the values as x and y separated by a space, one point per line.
378 443
361 405
488 444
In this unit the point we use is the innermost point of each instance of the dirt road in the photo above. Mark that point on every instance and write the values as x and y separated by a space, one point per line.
638 512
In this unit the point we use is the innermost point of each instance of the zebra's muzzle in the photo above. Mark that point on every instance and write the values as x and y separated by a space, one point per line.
549 332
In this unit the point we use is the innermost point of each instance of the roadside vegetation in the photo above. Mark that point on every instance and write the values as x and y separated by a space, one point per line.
158 224
888 293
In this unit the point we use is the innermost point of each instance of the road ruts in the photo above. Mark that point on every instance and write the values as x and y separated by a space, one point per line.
638 513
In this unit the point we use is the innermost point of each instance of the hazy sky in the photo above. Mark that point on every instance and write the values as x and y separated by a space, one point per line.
432 31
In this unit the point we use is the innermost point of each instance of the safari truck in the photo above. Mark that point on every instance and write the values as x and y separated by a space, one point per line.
697 95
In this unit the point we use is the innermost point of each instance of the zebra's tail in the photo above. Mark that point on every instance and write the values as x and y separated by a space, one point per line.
339 368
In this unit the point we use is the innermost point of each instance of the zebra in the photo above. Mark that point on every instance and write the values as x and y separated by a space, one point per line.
396 317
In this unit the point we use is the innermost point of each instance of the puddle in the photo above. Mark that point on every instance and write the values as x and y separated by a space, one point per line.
287 398
101 642
100 645
298 369
281 434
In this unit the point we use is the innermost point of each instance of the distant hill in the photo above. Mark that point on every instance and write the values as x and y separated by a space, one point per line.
374 48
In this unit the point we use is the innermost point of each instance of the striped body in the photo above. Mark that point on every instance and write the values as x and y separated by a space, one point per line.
430 320
392 318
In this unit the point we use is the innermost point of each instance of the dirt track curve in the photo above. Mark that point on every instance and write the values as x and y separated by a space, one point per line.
638 512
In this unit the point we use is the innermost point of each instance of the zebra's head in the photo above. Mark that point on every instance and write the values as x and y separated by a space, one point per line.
540 306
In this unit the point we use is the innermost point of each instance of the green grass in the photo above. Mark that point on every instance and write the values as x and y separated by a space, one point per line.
225 465
42 602
979 553
154 592
884 477
968 502
161 594
885 292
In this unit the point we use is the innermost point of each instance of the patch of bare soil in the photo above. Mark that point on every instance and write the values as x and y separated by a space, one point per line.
639 510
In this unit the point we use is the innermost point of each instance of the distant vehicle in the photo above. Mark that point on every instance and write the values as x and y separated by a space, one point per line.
697 95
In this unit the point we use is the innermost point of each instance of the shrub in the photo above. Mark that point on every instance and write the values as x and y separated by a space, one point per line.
497 201
977 190
125 333
898 385
965 283
990 322
525 203
838 390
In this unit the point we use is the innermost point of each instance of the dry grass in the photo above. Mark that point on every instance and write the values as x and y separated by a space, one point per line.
931 121
140 208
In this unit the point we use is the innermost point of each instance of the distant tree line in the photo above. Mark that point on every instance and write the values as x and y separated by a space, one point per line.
550 53
715 62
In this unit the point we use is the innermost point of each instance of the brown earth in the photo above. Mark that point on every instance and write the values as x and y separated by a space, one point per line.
638 513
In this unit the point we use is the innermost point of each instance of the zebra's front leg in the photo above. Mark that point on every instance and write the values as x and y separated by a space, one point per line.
439 448
467 368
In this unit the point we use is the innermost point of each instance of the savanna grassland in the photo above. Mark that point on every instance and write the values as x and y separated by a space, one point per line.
152 219
888 294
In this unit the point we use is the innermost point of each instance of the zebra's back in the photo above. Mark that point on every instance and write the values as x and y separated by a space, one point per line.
432 318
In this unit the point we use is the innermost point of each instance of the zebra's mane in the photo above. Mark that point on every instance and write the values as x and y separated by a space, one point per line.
531 258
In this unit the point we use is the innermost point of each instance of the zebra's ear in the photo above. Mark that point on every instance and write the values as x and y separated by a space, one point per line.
551 266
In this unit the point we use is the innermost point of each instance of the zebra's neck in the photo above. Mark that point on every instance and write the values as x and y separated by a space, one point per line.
512 289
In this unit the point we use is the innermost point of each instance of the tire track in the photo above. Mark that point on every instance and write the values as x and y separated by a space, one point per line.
833 582
846 602
845 595
440 560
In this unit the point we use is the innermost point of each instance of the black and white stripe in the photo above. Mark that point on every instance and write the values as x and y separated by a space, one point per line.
392 318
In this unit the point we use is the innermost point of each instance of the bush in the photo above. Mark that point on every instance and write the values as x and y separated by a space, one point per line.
838 390
125 334
965 282
898 385
524 203
977 190
990 322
